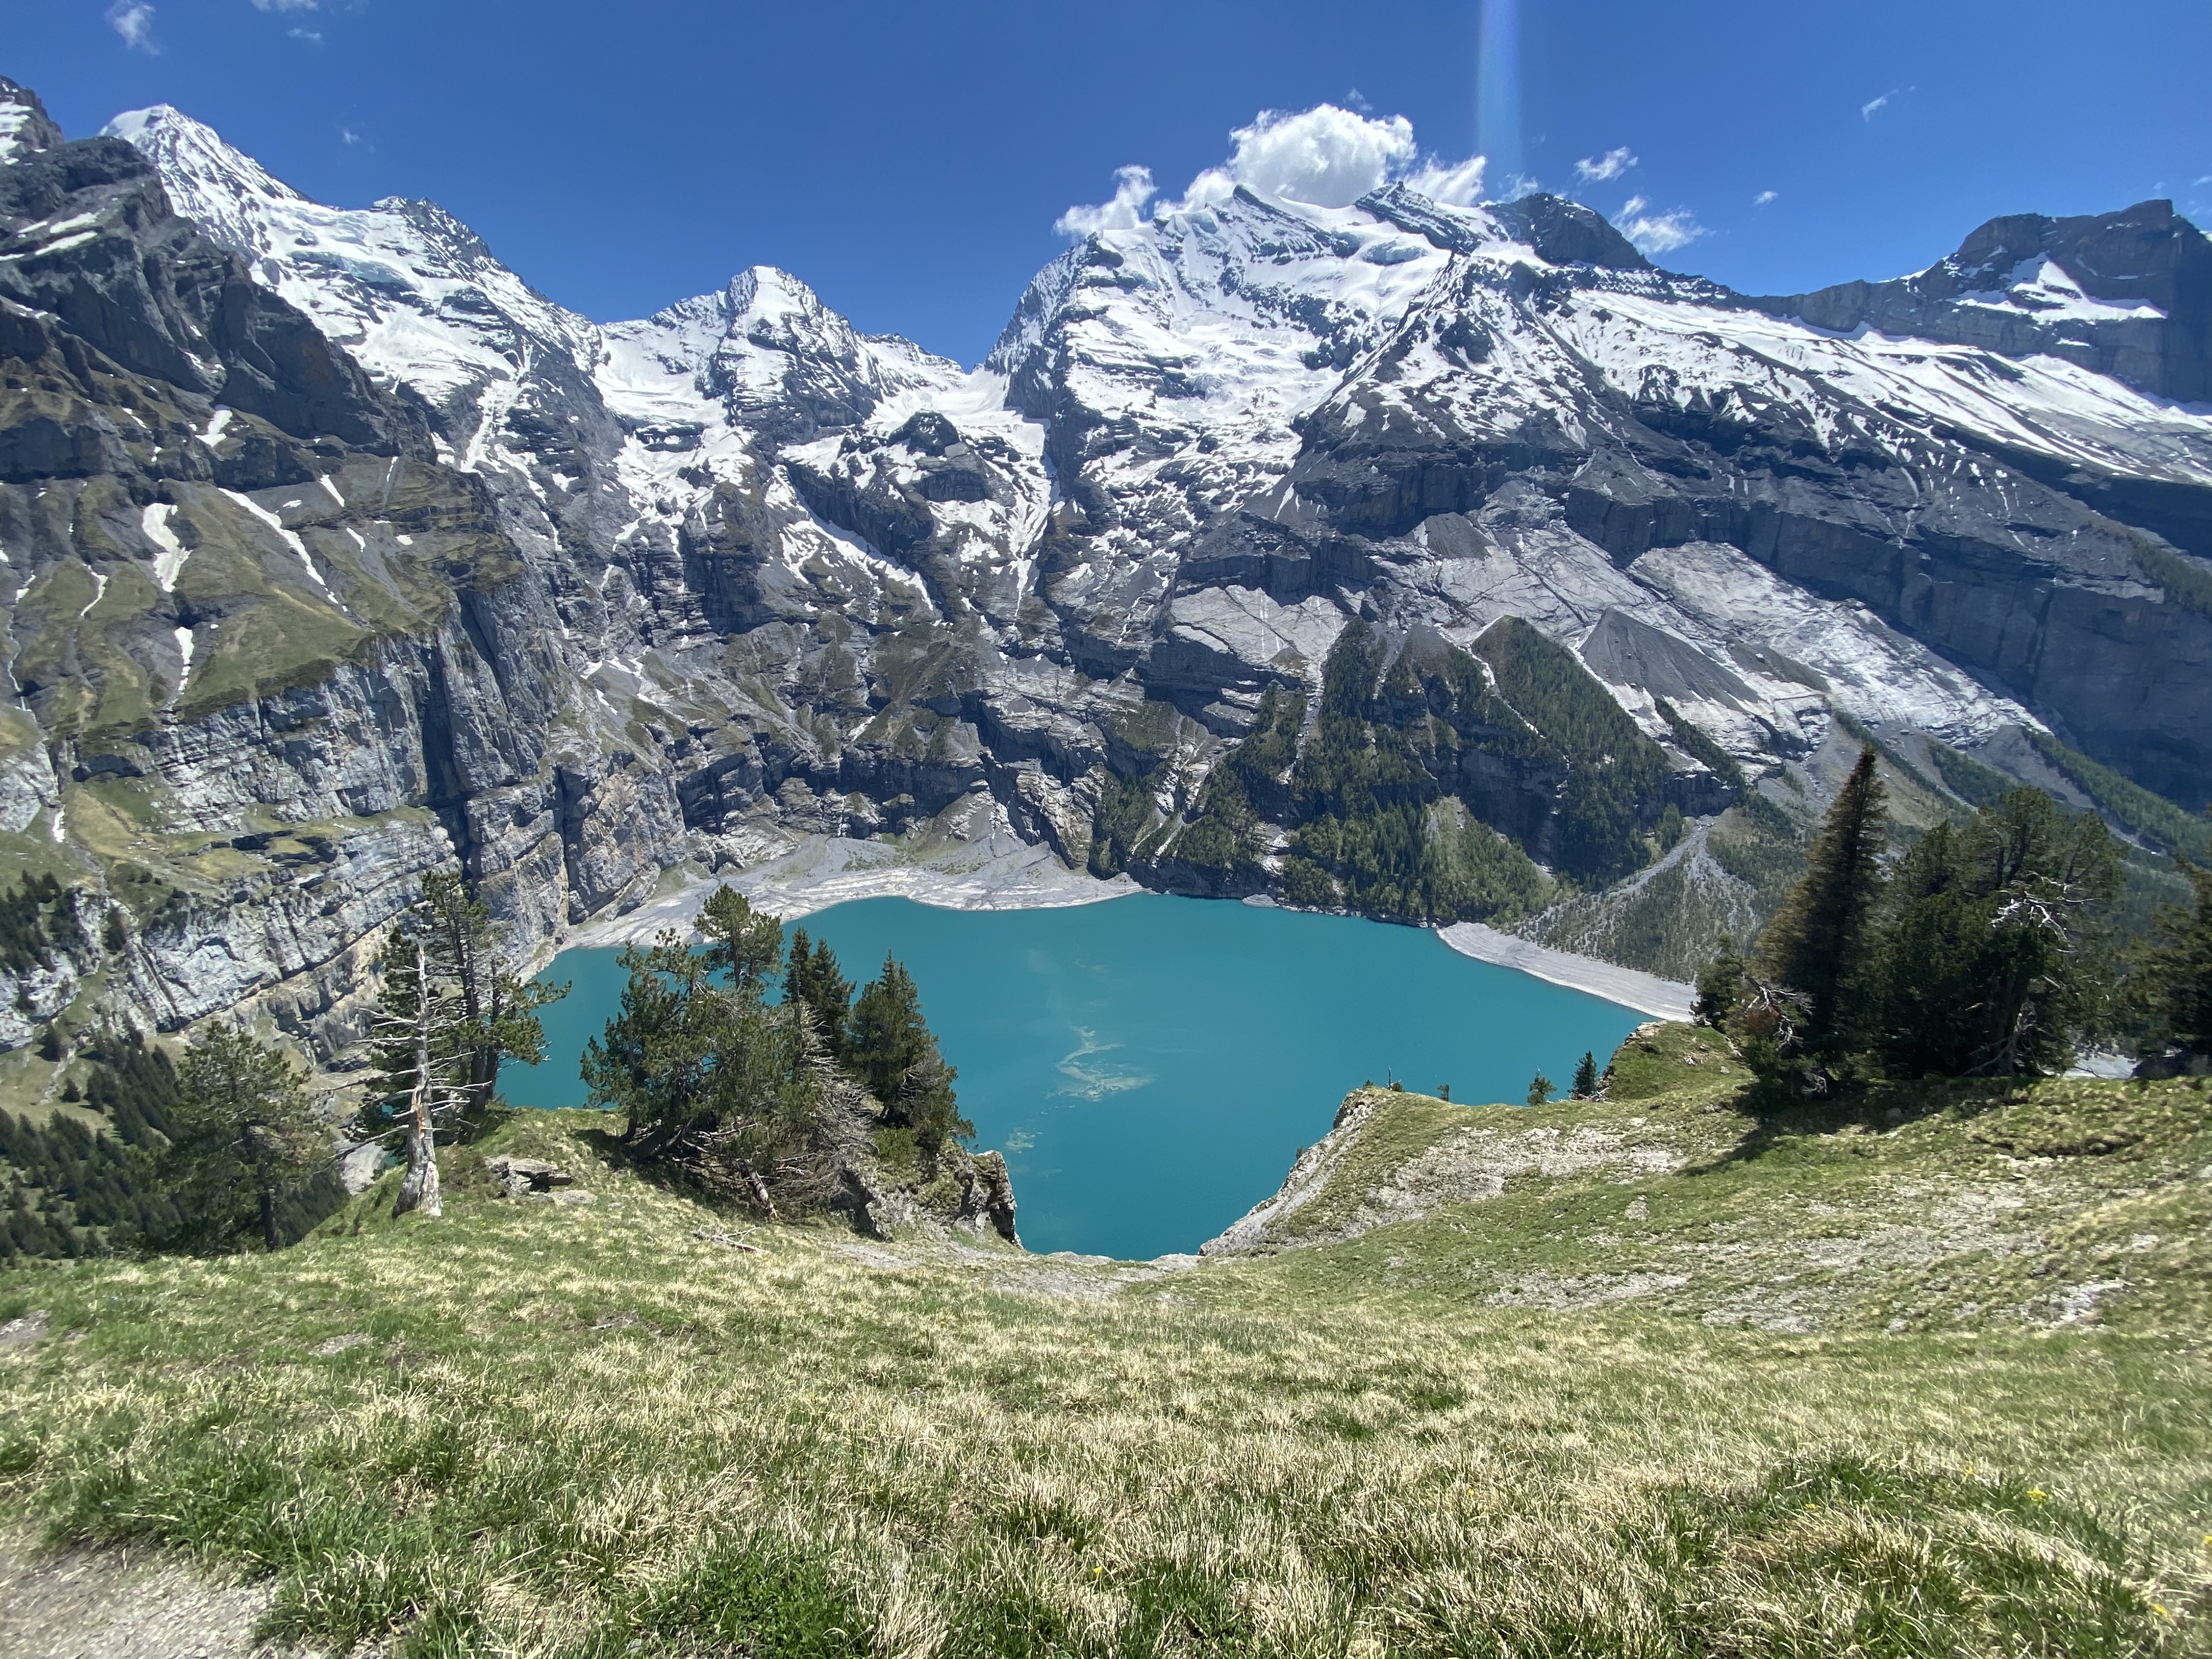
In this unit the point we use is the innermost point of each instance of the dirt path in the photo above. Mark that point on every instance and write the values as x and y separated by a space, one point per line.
118 1604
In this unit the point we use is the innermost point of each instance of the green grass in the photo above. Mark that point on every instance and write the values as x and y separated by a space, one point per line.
1967 777
2187 582
579 1429
2158 820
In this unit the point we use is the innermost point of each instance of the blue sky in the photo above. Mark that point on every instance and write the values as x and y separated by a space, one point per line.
910 160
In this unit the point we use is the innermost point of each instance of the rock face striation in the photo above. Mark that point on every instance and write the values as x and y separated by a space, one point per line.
1401 557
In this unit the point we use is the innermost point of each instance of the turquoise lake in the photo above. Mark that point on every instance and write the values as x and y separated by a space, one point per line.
1150 1065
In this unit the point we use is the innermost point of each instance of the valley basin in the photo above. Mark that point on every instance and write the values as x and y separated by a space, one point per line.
1152 1067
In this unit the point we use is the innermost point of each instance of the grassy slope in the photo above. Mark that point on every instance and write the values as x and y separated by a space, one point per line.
580 1428
1961 1208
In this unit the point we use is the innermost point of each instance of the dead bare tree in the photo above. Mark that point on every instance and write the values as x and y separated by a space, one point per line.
421 1055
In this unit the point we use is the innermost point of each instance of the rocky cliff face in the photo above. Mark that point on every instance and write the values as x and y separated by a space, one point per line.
335 551
273 657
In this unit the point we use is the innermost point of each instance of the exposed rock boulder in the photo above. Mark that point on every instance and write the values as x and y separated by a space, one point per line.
523 1176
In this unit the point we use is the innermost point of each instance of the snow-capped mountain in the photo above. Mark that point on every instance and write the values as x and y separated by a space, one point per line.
789 577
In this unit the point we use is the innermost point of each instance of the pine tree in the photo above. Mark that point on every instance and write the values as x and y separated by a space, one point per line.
450 1009
710 1075
245 1133
497 1006
1539 1090
420 1054
1721 987
1585 1085
891 1052
743 945
1994 958
1817 945
2172 986
657 1060
813 980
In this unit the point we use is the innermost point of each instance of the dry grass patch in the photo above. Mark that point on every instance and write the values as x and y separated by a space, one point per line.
579 1430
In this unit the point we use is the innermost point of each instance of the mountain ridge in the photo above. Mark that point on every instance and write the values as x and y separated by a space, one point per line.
785 577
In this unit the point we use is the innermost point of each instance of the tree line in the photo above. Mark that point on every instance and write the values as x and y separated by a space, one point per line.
750 1068
1396 804
737 1062
228 1145
201 1153
1987 949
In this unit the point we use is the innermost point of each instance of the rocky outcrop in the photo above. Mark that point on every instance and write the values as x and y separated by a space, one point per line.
949 1191
519 1177
1344 1185
966 1193
2126 293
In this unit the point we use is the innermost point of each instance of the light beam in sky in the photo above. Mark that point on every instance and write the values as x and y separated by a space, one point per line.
1498 93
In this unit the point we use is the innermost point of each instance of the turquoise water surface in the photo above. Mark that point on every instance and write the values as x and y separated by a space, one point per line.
1151 1066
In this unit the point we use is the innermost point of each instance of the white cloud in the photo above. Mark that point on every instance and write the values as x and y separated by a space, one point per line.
1455 187
1764 196
1323 157
1868 109
285 5
1656 233
312 37
1133 188
347 135
134 21
1611 165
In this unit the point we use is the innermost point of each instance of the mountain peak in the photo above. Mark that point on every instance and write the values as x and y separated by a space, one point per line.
1564 233
769 292
207 181
2127 293
442 230
25 126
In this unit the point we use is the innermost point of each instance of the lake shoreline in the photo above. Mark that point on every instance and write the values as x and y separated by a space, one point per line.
1662 999
1003 873
999 873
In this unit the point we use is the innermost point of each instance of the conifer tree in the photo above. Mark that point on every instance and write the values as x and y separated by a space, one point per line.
450 1009
1994 957
1585 1085
2172 987
814 981
708 1073
243 1131
1817 945
657 1062
421 1056
744 945
891 1052
496 1004
1722 984
1539 1090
